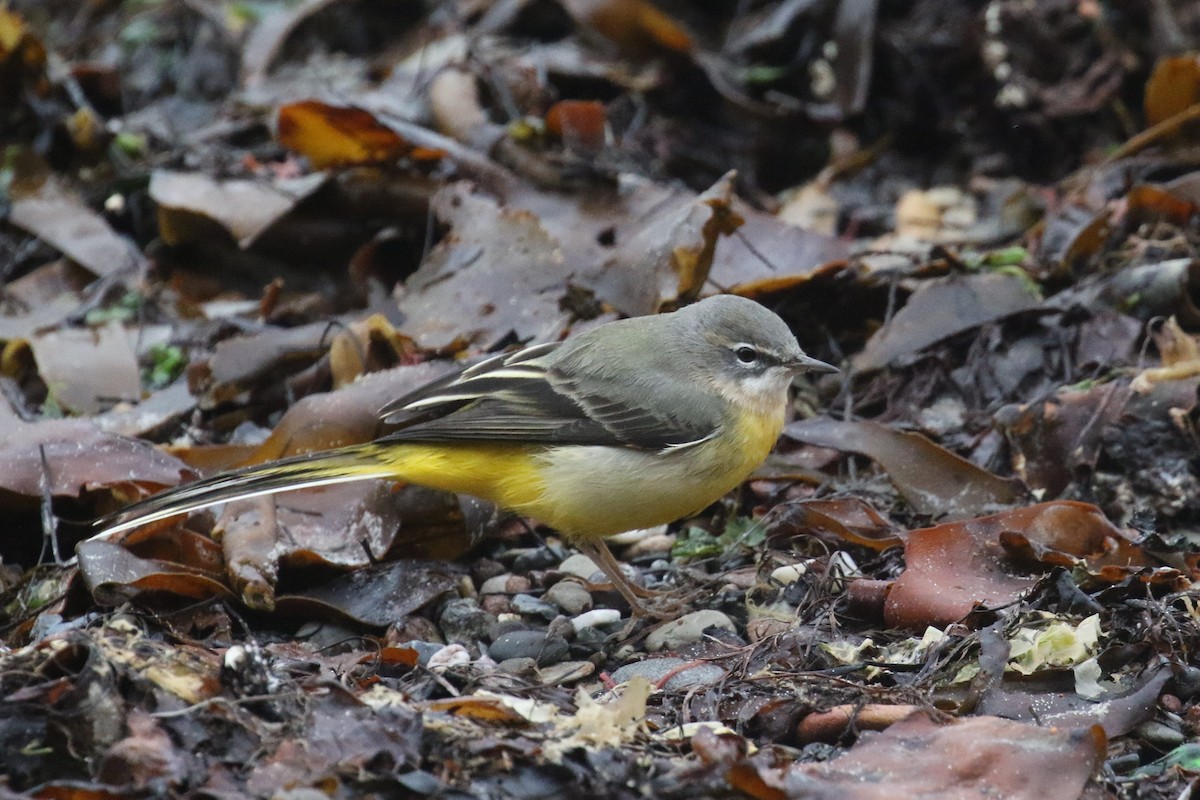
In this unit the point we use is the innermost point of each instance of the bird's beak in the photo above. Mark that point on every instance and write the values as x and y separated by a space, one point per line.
810 364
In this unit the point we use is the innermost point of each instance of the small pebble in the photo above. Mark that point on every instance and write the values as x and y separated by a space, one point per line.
529 606
690 673
544 648
1187 682
570 596
518 666
496 585
562 626
504 626
464 620
1160 735
763 627
452 655
535 558
596 618
419 629
566 672
485 568
580 566
496 604
654 545
788 573
687 629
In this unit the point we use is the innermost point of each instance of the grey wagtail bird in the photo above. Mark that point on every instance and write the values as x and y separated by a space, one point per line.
632 424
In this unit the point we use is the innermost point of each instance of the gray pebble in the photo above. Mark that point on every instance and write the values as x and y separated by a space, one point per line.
580 566
1160 735
530 606
545 648
518 666
463 620
497 584
687 629
570 596
535 558
690 674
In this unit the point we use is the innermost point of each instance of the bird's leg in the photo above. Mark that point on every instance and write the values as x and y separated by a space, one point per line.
598 551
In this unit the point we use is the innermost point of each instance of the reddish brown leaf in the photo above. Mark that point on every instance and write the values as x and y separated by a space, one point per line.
580 124
972 759
1173 87
332 136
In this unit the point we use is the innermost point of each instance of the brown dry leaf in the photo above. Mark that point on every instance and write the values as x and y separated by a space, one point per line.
376 596
580 124
339 737
346 525
367 346
1146 203
145 759
336 136
950 570
848 518
940 214
479 709
972 759
57 216
115 575
1068 534
189 203
1052 439
22 60
87 370
78 457
667 258
497 274
606 237
932 479
240 366
832 724
942 308
347 416
1173 87
1180 356
636 26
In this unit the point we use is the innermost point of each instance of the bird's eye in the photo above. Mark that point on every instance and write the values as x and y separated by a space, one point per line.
746 355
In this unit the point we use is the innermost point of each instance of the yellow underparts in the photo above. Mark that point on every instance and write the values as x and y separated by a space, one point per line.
590 492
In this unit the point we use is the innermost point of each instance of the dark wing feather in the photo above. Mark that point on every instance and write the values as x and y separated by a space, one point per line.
524 398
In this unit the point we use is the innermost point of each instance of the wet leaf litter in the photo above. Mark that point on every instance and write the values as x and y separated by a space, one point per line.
236 234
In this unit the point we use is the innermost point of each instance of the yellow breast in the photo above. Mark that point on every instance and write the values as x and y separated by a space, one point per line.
592 492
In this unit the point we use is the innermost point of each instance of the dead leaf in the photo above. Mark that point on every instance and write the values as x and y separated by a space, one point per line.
375 596
971 759
243 207
932 479
88 370
1172 87
336 136
942 308
57 216
115 575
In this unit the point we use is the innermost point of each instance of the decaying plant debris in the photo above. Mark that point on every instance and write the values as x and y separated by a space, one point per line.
231 232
